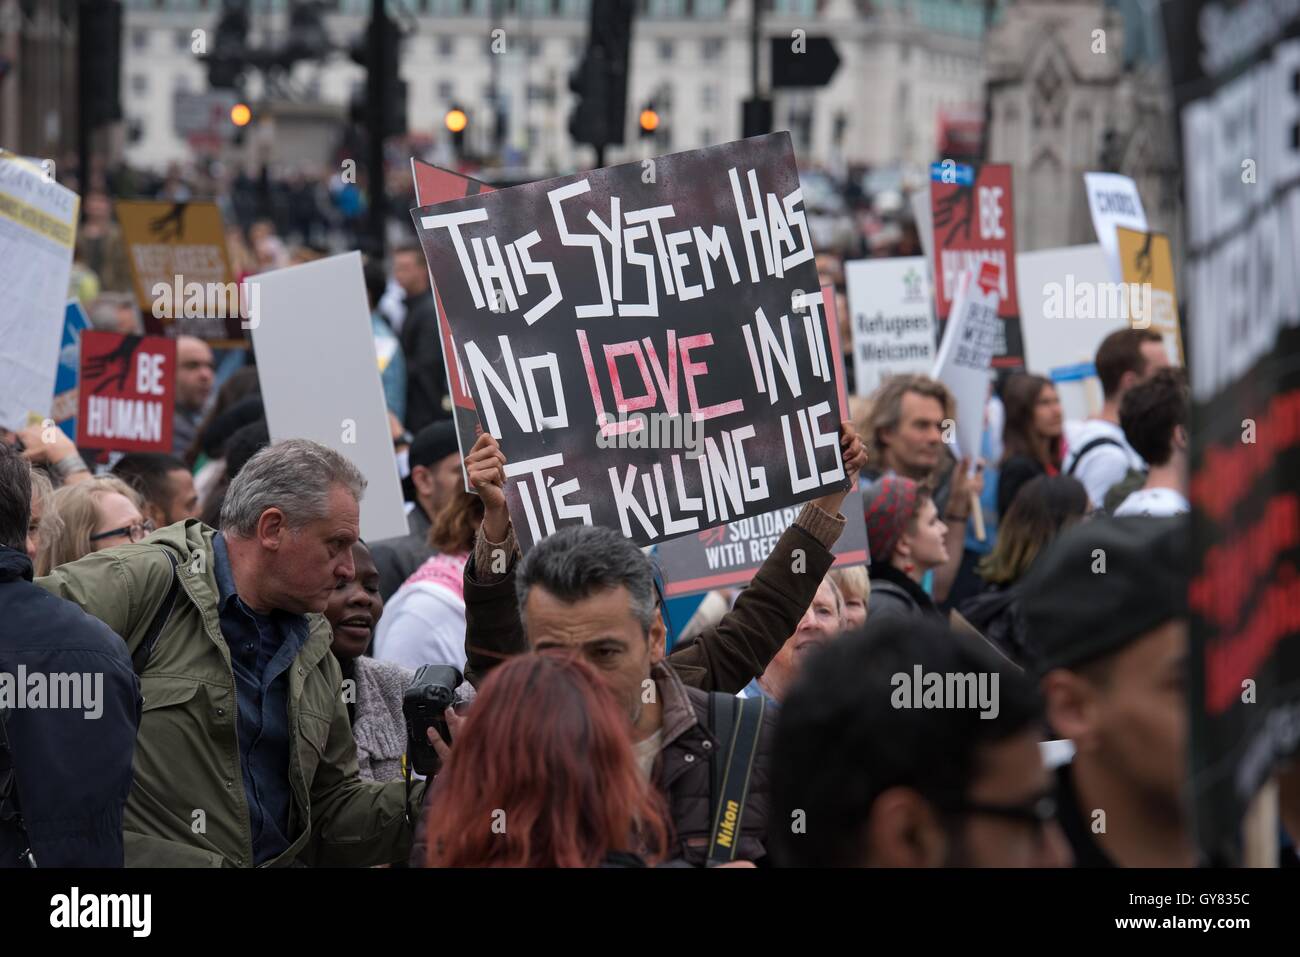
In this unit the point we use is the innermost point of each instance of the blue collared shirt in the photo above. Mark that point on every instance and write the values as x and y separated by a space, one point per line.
262 649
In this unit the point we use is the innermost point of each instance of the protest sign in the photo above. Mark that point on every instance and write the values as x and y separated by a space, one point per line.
1233 67
435 185
183 282
1148 266
1065 312
973 221
38 222
732 554
966 353
1114 202
319 370
126 392
893 319
608 311
64 408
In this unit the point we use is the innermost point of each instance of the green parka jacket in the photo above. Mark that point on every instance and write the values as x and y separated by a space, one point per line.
187 806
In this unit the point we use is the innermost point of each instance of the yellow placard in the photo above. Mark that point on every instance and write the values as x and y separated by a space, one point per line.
177 245
1148 264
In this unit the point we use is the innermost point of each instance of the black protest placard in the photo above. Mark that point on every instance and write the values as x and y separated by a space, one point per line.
1232 67
646 341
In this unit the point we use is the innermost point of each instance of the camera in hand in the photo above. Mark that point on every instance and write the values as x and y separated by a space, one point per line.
431 693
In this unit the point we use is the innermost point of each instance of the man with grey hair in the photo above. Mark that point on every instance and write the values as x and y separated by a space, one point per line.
245 755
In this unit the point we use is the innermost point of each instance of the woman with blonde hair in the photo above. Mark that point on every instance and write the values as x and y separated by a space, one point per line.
89 517
425 620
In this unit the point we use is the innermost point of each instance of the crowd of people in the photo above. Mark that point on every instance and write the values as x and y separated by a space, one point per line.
255 653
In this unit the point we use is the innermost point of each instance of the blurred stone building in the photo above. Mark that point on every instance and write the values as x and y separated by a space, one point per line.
1076 86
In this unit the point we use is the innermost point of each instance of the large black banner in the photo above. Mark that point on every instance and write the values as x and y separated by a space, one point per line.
1234 67
646 341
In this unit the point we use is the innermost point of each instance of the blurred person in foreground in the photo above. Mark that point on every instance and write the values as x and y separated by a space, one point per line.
65 767
911 745
906 540
244 715
543 773
1109 645
1154 415
1044 507
910 415
591 590
372 689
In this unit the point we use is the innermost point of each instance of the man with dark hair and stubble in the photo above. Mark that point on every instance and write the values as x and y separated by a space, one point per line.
1109 644
870 771
590 590
65 765
1099 455
164 483
1154 417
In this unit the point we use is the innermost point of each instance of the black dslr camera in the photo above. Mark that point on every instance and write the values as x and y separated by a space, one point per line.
431 693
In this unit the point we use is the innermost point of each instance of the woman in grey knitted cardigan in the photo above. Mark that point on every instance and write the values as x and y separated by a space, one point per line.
372 689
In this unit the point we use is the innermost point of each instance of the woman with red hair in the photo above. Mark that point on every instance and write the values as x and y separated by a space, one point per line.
542 774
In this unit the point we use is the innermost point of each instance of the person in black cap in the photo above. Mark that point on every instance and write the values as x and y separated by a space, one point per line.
1105 617
435 474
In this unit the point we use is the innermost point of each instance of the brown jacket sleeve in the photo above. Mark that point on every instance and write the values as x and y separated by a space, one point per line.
723 658
731 654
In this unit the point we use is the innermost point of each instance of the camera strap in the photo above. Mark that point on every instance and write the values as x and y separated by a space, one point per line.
735 722
144 650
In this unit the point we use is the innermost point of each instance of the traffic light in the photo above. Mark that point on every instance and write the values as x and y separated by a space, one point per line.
240 114
392 89
601 81
649 121
99 27
230 48
456 122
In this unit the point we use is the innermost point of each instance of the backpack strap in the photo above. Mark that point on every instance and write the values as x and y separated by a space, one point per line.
144 650
1088 447
743 719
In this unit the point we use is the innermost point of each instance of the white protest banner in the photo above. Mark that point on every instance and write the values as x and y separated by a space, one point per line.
892 314
966 354
1068 304
319 371
38 223
1113 201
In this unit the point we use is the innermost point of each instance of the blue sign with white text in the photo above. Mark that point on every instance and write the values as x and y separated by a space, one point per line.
64 409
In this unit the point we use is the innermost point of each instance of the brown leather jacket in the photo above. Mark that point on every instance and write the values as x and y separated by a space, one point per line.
723 659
